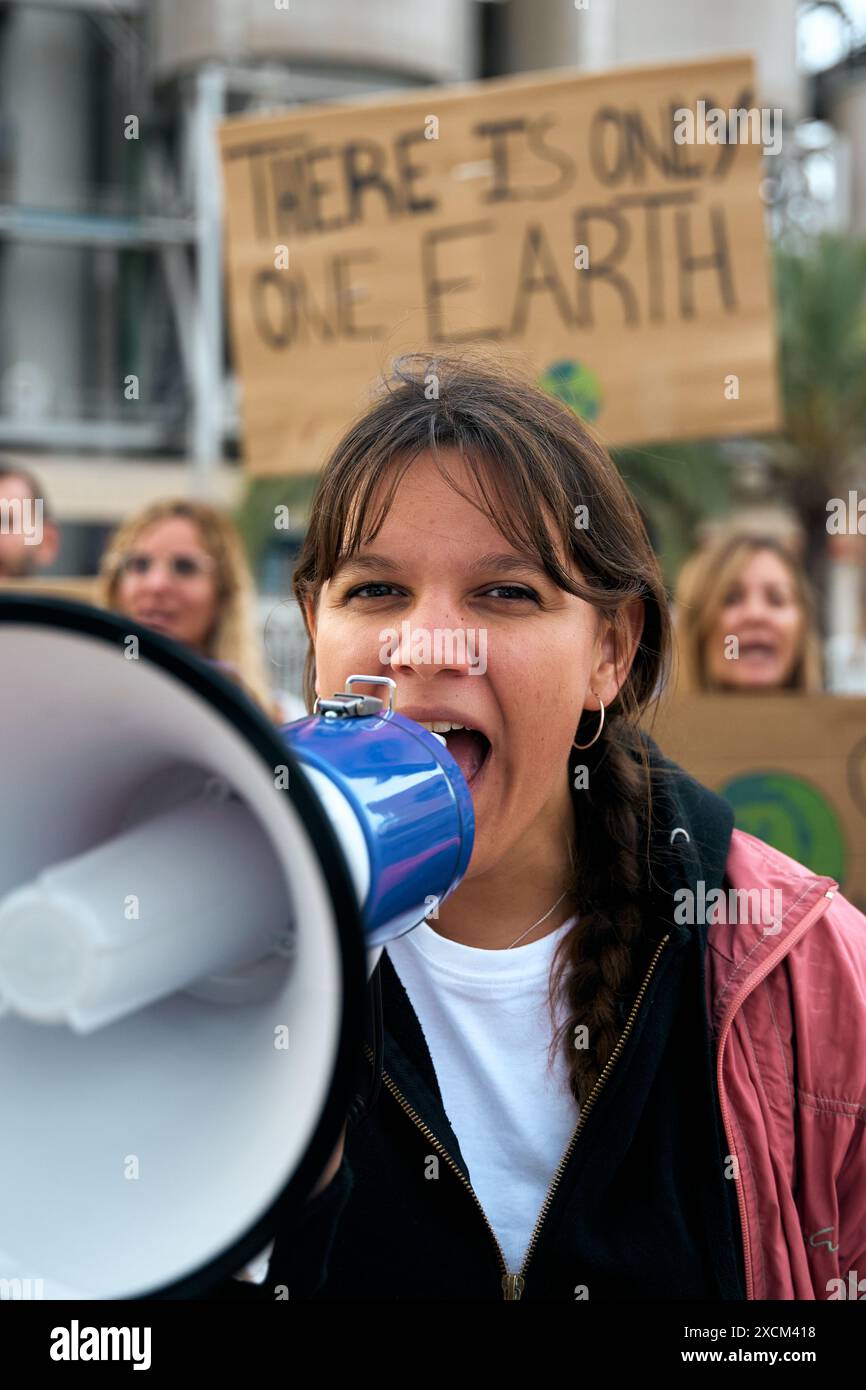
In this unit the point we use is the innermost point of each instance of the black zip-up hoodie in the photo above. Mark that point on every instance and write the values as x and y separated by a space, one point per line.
641 1208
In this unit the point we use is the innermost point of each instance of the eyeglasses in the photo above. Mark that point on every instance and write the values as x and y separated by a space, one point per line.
179 566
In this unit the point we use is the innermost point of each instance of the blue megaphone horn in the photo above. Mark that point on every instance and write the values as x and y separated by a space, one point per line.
398 800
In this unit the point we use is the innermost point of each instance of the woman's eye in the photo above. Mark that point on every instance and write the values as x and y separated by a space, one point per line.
363 591
515 589
359 590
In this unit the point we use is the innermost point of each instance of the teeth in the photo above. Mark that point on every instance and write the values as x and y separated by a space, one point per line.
439 726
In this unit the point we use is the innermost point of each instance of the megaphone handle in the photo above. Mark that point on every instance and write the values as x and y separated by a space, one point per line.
256 1270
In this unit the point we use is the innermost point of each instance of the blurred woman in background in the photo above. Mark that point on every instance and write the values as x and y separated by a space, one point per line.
179 568
750 588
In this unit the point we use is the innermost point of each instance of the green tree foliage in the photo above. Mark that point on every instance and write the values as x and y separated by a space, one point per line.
821 306
677 486
255 515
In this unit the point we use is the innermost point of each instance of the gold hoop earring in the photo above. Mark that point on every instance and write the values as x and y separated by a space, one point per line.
598 730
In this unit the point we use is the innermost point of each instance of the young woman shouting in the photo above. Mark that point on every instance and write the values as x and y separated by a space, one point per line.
588 1092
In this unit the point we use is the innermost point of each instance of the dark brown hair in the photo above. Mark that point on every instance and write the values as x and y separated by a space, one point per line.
531 456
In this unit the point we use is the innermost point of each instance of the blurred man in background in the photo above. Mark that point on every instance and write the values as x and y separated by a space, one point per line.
29 540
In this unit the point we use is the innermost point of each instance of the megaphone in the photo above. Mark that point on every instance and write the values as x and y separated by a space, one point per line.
191 901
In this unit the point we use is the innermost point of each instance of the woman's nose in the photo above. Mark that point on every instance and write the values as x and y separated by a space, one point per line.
157 577
433 642
756 608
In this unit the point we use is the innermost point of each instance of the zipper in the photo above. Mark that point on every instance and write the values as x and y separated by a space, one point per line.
513 1284
752 983
590 1102
431 1138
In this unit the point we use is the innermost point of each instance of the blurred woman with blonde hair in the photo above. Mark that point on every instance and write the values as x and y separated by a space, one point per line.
745 618
179 568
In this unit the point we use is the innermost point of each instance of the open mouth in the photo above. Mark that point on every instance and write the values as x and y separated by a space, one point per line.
470 749
763 651
151 619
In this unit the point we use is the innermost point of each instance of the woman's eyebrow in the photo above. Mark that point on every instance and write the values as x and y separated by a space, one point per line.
364 562
504 560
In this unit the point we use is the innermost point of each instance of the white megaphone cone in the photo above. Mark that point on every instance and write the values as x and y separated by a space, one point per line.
67 955
190 902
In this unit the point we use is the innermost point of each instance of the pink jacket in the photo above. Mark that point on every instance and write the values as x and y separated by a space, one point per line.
787 1006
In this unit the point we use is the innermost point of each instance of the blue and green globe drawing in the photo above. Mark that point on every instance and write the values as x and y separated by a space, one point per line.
792 816
573 383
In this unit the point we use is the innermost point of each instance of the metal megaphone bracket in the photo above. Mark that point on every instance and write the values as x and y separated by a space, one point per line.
344 704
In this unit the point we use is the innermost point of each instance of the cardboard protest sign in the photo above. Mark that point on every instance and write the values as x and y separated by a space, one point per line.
792 766
576 222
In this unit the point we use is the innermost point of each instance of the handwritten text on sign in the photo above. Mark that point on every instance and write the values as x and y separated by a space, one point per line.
559 217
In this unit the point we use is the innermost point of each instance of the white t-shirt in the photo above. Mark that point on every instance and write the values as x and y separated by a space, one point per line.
486 1020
